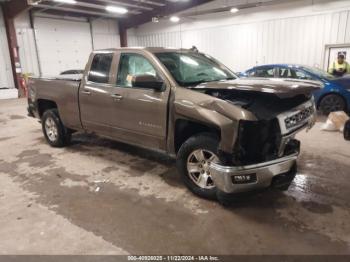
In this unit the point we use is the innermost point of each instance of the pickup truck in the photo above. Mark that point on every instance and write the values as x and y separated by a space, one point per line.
228 135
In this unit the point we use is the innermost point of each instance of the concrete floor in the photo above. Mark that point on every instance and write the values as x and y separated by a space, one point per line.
103 197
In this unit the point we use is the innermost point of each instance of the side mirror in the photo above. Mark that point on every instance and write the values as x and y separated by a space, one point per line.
147 81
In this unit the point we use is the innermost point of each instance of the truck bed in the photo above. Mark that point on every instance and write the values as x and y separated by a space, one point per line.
63 91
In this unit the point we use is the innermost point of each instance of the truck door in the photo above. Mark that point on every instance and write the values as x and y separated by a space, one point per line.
140 114
94 94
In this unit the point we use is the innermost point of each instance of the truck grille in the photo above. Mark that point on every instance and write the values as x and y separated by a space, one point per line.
298 118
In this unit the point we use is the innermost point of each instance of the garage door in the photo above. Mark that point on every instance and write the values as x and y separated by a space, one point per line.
62 45
6 79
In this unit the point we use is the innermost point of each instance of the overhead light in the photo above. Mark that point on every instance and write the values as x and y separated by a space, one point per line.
66 1
174 19
234 10
116 9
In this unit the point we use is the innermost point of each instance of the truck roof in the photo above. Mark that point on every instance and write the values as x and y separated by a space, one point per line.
149 49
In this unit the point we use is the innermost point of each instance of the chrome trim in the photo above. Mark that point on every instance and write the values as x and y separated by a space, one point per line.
288 134
222 175
306 122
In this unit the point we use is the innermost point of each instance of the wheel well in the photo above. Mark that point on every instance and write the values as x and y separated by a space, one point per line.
184 129
331 93
44 105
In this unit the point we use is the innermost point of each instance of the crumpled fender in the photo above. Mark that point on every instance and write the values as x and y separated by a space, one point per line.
203 108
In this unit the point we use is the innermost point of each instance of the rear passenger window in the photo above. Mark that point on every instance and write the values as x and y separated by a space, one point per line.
100 67
285 73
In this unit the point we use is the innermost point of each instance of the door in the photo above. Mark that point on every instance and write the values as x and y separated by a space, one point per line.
141 113
332 53
62 44
95 98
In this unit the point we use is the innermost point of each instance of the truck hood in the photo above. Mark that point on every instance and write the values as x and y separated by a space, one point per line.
283 88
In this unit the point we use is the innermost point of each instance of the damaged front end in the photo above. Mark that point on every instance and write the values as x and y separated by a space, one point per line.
266 150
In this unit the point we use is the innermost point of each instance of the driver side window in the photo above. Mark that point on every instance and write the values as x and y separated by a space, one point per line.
301 75
131 65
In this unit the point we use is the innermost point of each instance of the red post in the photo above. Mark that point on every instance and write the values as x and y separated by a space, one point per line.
10 10
13 48
123 34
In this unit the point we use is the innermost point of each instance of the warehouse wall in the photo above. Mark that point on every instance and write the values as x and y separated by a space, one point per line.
105 34
26 42
293 32
6 79
55 45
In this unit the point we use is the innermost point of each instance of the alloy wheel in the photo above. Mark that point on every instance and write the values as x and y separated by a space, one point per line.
51 129
198 164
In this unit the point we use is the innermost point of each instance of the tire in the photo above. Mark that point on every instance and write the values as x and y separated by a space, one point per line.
331 103
197 152
56 134
347 130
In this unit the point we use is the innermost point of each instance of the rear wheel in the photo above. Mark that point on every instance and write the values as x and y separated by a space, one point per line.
193 160
331 103
55 132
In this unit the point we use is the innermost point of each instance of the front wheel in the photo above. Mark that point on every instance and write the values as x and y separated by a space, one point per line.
331 103
193 160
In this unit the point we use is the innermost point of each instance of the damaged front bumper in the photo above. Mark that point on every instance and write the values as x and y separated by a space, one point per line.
279 172
238 179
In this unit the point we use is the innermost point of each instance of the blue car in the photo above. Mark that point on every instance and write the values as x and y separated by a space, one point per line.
334 96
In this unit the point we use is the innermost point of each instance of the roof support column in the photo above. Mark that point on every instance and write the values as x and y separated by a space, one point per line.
11 10
13 48
123 33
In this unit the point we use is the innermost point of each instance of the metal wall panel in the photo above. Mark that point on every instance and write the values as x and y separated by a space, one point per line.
62 44
27 51
6 77
299 39
105 34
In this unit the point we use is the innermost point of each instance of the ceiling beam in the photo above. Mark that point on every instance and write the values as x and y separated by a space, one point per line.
81 11
126 4
100 7
167 10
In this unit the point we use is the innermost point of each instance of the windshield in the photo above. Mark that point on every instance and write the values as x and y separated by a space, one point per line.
190 69
319 72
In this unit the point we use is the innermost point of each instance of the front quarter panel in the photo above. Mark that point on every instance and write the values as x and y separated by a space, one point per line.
202 108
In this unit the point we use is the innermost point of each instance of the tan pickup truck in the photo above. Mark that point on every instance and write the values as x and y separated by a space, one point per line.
229 135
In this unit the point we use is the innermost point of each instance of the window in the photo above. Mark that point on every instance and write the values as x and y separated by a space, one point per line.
285 73
301 75
292 73
133 65
190 68
100 66
318 72
264 72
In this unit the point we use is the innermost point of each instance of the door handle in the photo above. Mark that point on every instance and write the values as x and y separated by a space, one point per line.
117 97
85 92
